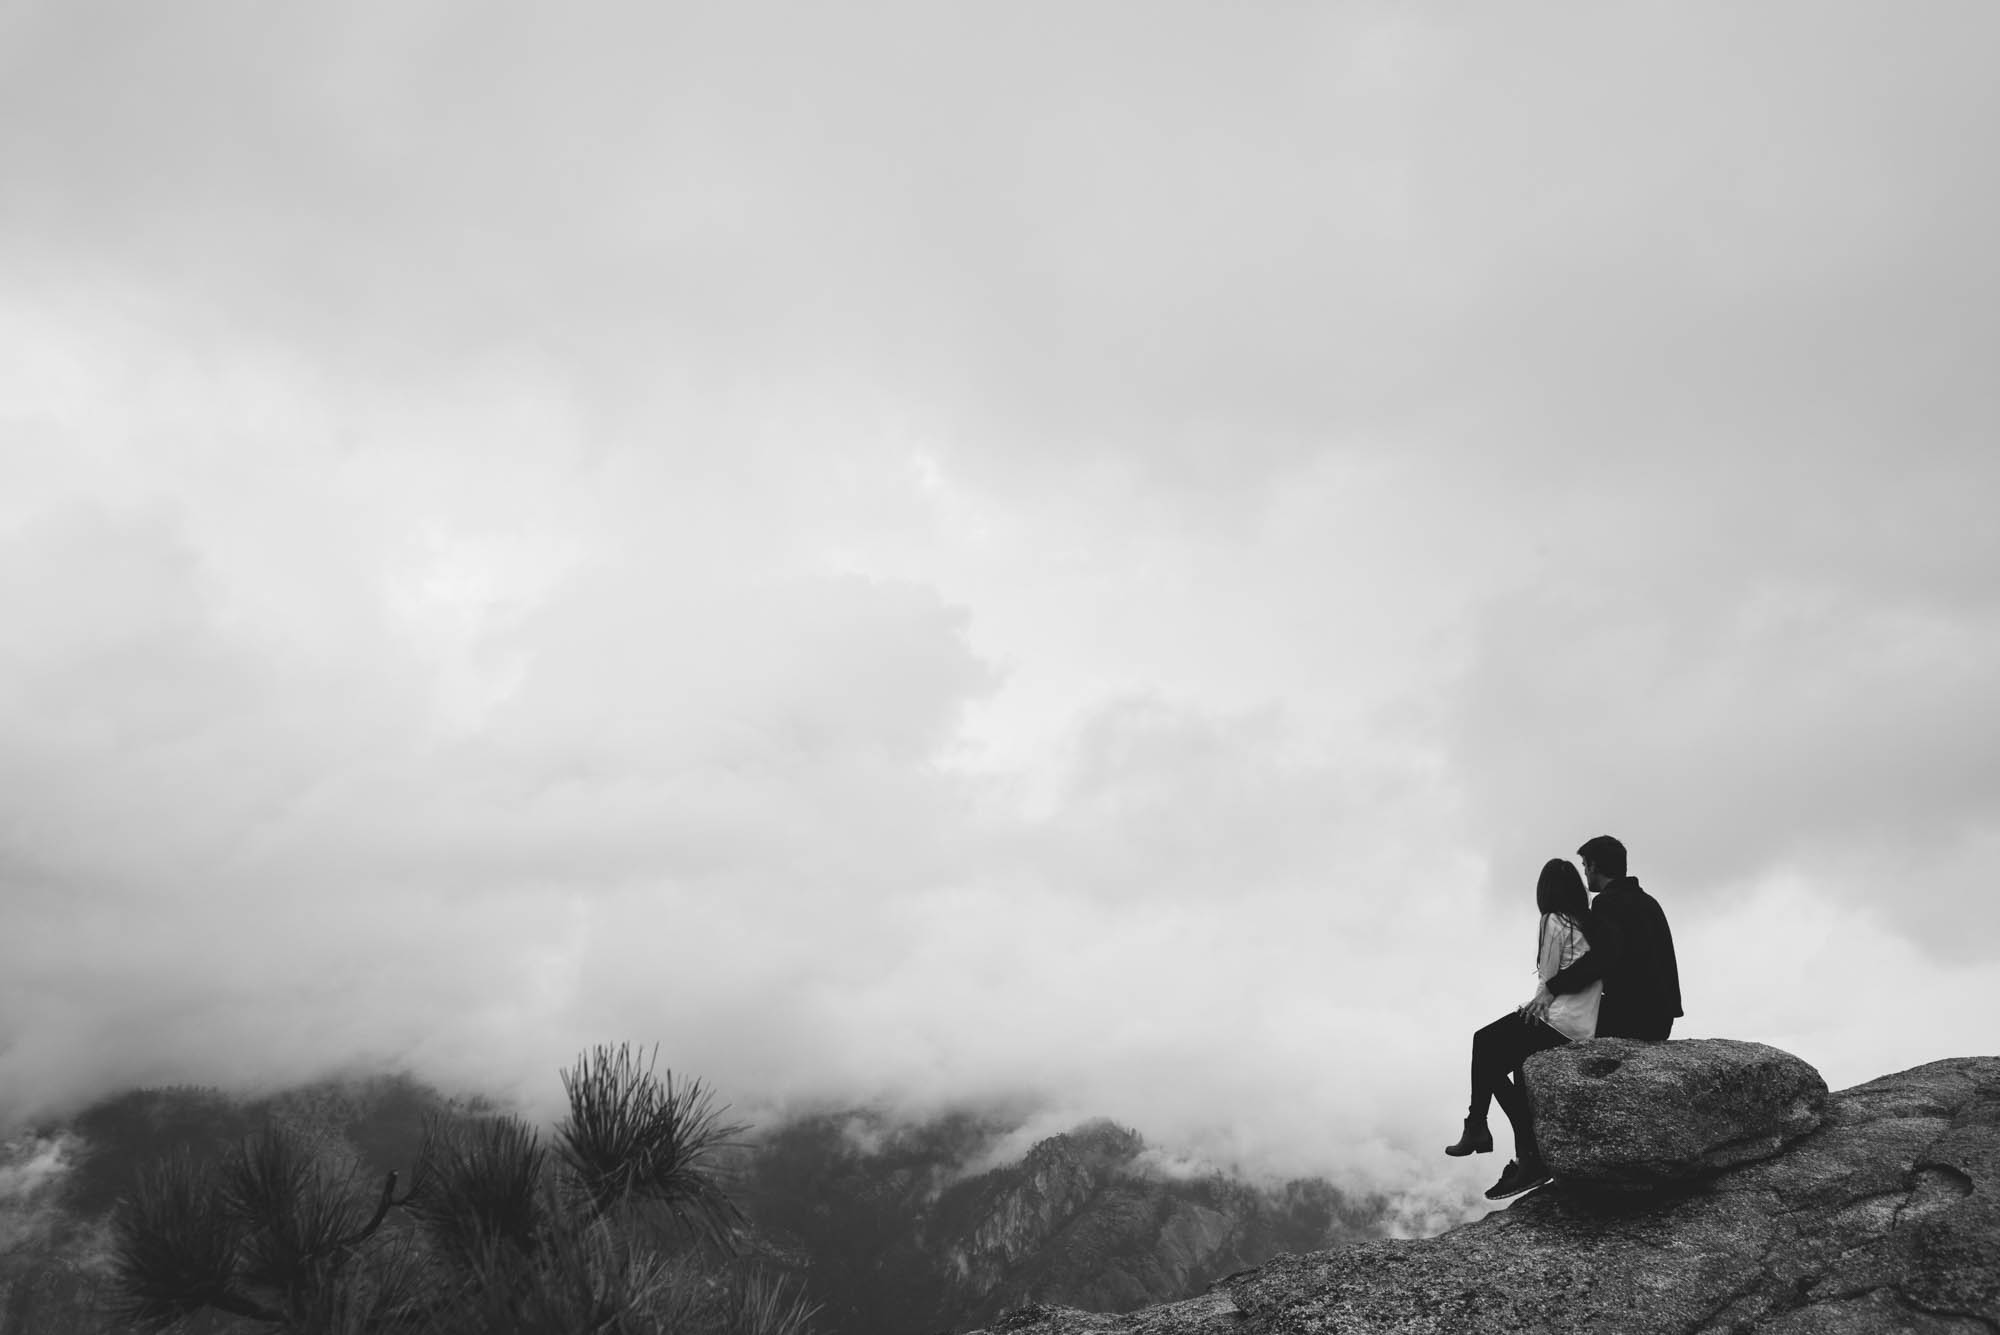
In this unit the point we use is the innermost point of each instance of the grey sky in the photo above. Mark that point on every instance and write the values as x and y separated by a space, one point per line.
937 550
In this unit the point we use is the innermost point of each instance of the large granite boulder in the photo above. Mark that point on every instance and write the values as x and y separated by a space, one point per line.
1887 1218
1615 1112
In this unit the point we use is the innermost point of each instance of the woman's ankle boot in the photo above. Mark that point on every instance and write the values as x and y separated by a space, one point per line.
1476 1140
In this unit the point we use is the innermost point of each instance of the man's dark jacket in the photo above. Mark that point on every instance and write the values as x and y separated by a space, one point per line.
1632 950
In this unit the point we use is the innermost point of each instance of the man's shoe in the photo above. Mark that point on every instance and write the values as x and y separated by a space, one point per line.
1534 1173
1505 1187
1476 1140
1518 1178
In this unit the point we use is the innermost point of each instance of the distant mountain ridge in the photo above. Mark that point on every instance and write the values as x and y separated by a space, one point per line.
901 1239
896 1227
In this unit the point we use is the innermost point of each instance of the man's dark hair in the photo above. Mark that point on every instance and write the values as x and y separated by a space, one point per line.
1606 854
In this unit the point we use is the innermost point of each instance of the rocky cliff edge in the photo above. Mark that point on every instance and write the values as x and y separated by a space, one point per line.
1885 1218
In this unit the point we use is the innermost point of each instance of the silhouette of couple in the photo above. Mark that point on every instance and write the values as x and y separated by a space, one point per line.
1607 970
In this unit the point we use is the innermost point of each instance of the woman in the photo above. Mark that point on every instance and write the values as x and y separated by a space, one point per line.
1499 1049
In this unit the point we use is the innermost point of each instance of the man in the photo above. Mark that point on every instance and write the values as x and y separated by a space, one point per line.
1631 949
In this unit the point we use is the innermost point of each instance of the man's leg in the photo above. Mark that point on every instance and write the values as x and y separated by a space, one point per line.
1527 1171
1513 1095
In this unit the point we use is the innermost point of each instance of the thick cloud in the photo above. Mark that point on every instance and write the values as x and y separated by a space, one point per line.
1087 554
1795 672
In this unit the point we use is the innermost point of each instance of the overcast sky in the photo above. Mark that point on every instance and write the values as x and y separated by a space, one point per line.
923 551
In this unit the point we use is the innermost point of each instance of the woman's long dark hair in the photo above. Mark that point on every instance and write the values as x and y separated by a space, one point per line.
1560 891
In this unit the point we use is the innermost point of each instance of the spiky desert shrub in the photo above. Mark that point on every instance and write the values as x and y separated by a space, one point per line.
634 1139
175 1246
480 1183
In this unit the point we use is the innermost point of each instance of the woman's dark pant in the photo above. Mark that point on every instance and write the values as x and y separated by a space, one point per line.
1497 1053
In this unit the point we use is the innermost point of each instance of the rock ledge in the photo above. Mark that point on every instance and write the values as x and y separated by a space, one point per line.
1620 1113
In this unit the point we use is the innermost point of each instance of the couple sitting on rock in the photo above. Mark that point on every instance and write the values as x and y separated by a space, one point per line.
1607 970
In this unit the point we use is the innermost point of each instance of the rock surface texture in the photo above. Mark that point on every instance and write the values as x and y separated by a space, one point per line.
1885 1218
1621 1113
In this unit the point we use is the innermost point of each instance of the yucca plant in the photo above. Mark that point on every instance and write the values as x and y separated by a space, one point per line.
632 1138
174 1248
480 1183
301 1223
